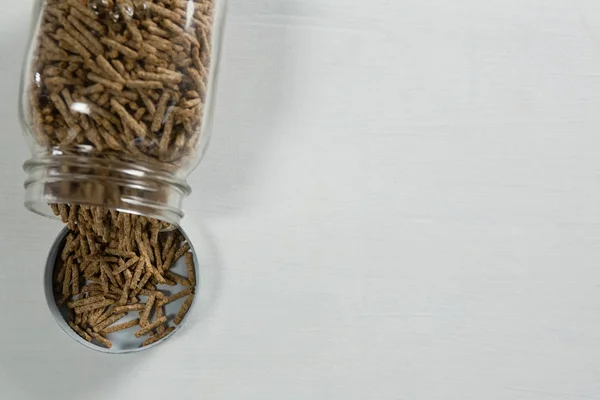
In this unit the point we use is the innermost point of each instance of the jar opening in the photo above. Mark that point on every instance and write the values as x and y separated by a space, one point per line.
118 185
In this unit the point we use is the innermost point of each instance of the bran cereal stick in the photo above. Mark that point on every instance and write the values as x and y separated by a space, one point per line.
108 69
72 44
148 328
191 270
80 331
181 251
146 313
126 51
184 309
147 292
127 119
141 284
131 307
177 278
106 314
160 312
103 280
120 327
75 279
93 306
108 273
67 279
157 337
85 302
125 295
111 320
105 342
114 86
120 253
160 112
71 219
178 295
138 273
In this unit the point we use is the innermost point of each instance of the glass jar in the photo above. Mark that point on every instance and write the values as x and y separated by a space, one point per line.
117 102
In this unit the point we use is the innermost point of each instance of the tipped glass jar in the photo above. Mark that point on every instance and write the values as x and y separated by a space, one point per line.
116 102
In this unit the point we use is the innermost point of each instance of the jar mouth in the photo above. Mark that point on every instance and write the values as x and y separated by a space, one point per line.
135 188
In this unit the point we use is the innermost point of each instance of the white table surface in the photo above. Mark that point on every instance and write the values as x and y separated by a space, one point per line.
401 201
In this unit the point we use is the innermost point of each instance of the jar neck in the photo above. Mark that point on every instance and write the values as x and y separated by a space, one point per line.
136 188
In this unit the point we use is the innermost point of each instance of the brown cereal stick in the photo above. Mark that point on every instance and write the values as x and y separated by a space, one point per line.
80 331
108 69
126 51
107 343
95 44
148 292
70 43
160 111
92 270
178 295
169 25
149 85
191 270
75 279
69 244
166 136
55 209
95 315
165 13
69 119
103 280
127 119
98 110
160 312
109 321
158 336
84 318
120 327
93 306
144 315
115 86
181 251
125 295
197 78
120 253
97 88
147 102
86 20
166 248
130 307
108 272
141 284
67 278
184 309
155 273
85 302
177 278
148 328
138 273
158 258
173 78
174 256
106 313
82 9
148 247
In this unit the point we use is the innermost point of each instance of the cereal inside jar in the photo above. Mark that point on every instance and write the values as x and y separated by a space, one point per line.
116 102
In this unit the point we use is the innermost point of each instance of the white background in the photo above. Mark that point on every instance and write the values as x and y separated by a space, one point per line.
402 200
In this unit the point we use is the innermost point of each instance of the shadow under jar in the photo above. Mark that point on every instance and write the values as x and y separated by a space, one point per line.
116 102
